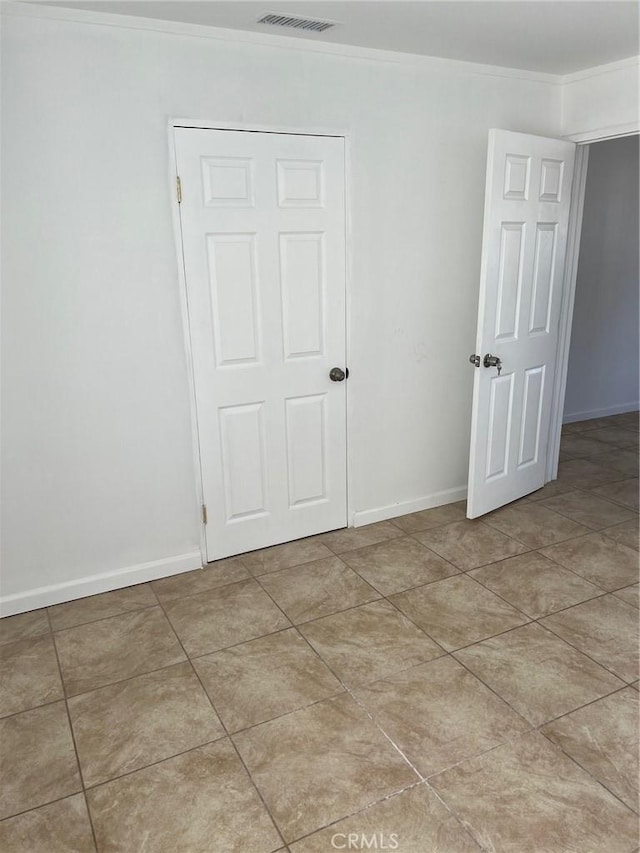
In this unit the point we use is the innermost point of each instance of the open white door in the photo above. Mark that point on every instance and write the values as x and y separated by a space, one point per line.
263 234
526 216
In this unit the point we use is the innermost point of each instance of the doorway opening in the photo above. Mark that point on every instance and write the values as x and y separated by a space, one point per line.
604 350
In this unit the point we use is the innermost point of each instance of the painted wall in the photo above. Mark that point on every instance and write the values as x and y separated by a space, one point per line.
603 357
98 468
602 101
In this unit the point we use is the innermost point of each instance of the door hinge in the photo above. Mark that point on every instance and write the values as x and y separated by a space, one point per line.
179 189
204 513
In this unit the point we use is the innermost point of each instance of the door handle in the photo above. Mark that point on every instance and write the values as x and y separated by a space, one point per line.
337 374
474 359
492 361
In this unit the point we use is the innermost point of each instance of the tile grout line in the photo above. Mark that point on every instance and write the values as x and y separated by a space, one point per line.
348 691
224 728
131 612
584 769
75 746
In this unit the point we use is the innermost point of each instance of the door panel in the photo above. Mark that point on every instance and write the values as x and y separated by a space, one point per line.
524 242
263 230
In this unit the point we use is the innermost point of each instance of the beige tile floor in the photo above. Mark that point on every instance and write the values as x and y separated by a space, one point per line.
427 683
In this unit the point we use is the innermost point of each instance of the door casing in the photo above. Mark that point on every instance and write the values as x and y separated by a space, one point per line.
175 217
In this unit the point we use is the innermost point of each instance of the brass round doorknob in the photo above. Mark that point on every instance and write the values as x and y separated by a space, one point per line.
337 374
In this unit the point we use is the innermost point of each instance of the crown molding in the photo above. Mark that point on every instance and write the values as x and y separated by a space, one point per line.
131 22
597 70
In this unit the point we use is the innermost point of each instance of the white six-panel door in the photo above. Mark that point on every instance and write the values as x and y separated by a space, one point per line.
263 233
526 215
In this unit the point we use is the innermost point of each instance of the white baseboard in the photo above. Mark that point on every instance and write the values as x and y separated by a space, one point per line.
448 496
69 590
620 409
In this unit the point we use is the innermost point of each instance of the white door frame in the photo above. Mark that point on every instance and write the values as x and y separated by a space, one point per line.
569 285
184 310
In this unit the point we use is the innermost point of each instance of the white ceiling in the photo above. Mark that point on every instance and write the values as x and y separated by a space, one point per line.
552 36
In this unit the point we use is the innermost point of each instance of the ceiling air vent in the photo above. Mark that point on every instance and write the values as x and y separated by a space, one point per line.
296 23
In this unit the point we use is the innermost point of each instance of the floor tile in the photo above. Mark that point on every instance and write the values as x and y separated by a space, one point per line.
550 490
606 629
589 510
584 426
534 524
415 522
598 558
586 474
368 642
62 826
623 492
37 758
626 534
137 722
359 537
197 802
320 764
414 821
96 607
285 556
628 420
224 617
528 796
29 675
213 575
616 436
457 611
603 739
439 714
317 589
535 585
23 626
630 594
265 678
469 544
398 564
538 674
623 461
113 649
579 445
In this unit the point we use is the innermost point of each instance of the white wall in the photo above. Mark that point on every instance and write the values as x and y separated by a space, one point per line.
602 101
98 469
603 358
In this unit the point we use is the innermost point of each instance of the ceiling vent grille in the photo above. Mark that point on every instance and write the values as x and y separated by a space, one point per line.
296 23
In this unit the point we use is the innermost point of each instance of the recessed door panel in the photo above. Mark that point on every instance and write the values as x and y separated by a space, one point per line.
517 174
551 173
543 277
232 277
531 415
509 279
242 430
228 181
499 426
263 230
300 183
306 449
303 287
